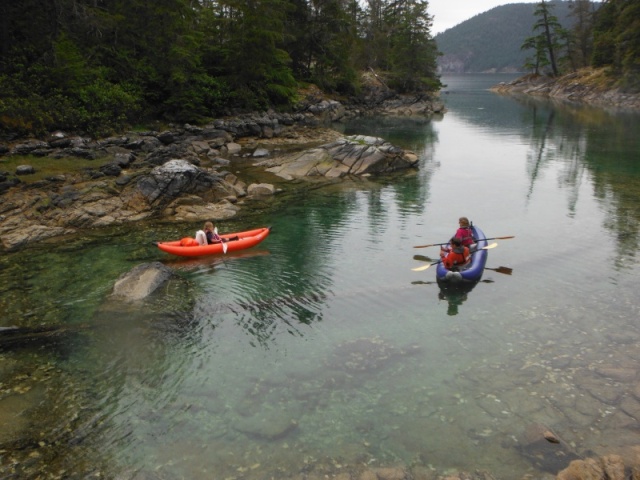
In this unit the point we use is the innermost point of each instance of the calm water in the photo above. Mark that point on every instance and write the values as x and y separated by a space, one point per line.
321 347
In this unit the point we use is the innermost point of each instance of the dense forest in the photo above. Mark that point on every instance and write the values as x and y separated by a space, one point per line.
603 35
99 65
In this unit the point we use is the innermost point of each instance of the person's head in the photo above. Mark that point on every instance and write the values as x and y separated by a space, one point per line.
463 221
456 242
208 226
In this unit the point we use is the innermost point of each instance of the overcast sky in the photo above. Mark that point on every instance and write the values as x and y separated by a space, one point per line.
449 13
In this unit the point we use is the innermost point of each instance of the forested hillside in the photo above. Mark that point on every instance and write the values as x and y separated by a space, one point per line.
491 41
101 65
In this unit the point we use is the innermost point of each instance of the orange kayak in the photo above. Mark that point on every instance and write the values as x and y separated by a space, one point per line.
233 241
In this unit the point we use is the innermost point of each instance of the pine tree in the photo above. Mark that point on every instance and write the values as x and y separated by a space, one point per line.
581 34
412 51
551 37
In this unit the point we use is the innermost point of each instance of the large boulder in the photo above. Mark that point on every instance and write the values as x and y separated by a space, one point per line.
179 177
355 155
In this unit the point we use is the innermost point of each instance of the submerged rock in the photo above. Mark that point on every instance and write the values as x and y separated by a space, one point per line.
367 355
142 281
270 425
545 448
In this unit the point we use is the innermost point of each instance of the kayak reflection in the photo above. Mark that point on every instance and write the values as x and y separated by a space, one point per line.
455 295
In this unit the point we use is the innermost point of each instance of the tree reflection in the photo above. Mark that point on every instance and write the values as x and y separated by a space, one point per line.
591 145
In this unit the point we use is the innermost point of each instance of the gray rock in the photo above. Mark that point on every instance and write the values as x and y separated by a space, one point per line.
141 281
260 152
28 147
123 159
111 169
233 148
25 170
166 137
178 177
261 189
359 155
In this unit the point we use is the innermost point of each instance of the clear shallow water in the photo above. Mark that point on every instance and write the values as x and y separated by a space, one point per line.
322 347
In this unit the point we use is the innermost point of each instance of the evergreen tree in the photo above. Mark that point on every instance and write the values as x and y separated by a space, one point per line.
539 60
323 48
551 37
617 40
253 58
412 51
604 43
581 34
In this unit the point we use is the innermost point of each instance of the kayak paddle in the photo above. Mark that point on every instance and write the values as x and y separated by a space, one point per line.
447 243
424 267
505 270
224 245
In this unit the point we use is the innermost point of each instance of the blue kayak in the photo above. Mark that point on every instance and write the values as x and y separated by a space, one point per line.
470 273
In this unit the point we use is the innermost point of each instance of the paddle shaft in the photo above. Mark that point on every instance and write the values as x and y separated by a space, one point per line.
420 269
447 243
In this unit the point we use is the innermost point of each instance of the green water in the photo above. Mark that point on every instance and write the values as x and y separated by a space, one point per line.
320 350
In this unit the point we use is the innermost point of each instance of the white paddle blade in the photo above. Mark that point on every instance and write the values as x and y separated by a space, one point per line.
489 247
224 245
422 268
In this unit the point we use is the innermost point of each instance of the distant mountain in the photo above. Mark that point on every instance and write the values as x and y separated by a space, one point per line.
490 41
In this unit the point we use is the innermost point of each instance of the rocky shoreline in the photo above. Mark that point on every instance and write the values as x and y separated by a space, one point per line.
587 86
183 173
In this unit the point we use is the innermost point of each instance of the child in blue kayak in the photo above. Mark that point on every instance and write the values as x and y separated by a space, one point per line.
464 233
457 256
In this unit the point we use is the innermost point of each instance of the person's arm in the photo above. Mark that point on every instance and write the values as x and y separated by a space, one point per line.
213 237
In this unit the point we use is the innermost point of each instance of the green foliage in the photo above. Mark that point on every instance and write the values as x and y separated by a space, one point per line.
605 32
98 67
105 107
617 41
197 99
412 51
581 34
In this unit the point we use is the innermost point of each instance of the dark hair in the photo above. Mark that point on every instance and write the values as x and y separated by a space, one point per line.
456 241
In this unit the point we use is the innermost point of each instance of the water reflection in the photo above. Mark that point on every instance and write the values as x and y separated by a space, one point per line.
455 297
319 346
583 150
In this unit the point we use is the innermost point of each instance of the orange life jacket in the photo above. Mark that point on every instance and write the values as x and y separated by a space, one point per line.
456 258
